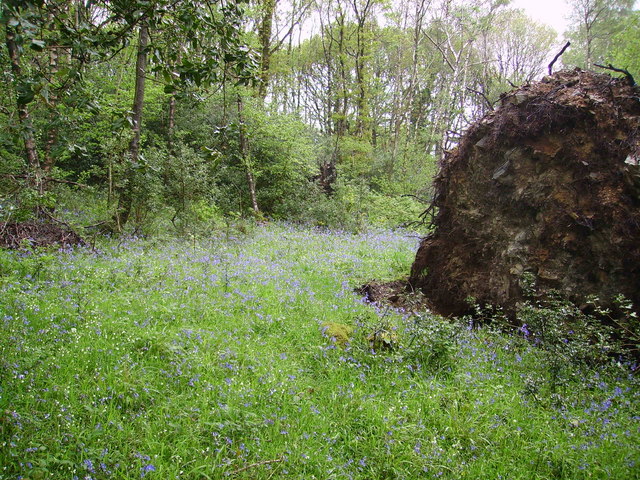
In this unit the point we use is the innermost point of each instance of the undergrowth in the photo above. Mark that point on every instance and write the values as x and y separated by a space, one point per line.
210 359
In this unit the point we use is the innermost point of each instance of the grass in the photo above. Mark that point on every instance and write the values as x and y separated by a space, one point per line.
210 360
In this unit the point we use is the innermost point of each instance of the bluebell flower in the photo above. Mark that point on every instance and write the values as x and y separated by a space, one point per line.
146 469
88 464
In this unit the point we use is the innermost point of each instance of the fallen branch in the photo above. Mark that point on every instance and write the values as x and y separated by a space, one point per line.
61 222
630 78
558 56
257 464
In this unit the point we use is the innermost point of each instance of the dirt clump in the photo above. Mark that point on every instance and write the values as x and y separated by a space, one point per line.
547 185
397 294
18 235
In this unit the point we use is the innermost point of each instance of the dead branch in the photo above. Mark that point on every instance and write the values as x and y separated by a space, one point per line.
630 78
558 56
57 220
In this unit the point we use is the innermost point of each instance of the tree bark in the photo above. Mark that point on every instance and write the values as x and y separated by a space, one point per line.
35 175
264 34
245 155
362 13
52 131
171 123
138 101
125 201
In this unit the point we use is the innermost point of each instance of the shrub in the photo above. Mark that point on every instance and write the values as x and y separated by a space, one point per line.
431 345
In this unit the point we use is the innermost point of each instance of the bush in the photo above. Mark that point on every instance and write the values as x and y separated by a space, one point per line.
355 207
432 344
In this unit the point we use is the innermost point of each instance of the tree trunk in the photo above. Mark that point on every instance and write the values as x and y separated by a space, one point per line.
342 100
55 54
361 98
52 131
138 101
35 175
125 200
171 123
363 11
264 34
246 157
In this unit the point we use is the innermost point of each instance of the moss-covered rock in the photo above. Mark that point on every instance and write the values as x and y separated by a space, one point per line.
337 332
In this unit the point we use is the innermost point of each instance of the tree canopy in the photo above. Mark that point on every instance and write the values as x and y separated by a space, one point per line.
333 112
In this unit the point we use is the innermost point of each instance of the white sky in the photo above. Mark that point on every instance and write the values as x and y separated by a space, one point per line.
551 12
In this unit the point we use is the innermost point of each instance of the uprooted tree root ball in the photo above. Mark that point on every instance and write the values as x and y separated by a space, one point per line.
547 185
17 235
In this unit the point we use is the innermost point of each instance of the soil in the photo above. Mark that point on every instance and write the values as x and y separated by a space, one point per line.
547 185
18 235
398 294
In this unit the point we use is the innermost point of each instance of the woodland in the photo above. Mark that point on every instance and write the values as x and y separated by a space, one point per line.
201 270
175 116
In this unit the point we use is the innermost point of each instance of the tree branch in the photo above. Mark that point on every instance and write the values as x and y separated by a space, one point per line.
477 92
439 47
558 56
630 78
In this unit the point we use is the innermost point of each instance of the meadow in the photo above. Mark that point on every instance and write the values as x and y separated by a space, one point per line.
213 358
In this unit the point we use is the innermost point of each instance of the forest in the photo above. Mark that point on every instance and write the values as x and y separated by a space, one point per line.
173 116
300 239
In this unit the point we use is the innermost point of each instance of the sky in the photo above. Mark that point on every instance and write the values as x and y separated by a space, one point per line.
551 12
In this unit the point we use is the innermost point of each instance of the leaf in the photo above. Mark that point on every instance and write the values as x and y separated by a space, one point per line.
25 94
63 72
44 93
37 45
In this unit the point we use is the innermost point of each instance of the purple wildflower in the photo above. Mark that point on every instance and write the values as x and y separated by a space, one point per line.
147 468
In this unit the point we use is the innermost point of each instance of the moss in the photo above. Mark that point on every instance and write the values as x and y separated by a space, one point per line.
338 332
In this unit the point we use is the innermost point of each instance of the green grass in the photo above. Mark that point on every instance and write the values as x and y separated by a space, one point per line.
209 360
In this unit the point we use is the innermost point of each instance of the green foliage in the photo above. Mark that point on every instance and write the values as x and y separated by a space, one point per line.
355 207
570 338
186 185
595 26
625 50
432 342
32 265
82 208
576 335
206 359
282 152
355 157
